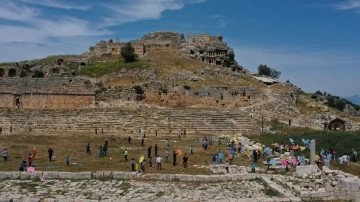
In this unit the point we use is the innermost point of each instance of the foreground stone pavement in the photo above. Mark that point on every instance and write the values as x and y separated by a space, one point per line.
120 190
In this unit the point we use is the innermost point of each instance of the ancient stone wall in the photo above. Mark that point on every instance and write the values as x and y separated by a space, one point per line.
49 101
127 120
57 93
7 100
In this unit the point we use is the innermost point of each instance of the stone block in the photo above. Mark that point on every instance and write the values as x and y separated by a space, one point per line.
214 178
166 177
5 199
32 200
294 199
63 175
285 199
186 178
11 175
99 174
129 175
119 175
108 174
310 169
152 176
201 178
320 193
81 175
36 175
305 194
25 176
49 200
50 174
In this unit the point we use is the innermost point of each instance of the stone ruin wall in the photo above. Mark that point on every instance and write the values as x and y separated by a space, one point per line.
46 93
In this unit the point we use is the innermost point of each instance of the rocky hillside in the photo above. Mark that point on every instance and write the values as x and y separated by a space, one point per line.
173 72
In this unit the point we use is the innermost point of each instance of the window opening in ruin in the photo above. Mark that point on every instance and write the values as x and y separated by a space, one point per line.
196 93
203 59
70 80
218 62
12 72
60 62
217 101
17 102
192 52
2 72
201 52
83 64
208 94
167 45
55 70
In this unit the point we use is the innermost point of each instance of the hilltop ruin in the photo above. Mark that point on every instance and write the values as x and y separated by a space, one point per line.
202 47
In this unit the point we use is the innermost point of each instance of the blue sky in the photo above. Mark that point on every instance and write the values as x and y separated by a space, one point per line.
314 43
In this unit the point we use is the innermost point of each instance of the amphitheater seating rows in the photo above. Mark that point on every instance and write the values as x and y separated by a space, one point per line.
126 120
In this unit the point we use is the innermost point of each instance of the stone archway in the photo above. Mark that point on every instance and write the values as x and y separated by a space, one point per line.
12 73
2 73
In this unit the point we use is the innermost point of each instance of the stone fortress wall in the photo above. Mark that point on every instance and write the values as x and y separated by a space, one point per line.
53 92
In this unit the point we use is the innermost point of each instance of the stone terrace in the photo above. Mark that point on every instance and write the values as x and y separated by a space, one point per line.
127 120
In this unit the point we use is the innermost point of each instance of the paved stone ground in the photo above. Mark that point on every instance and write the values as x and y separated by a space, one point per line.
117 190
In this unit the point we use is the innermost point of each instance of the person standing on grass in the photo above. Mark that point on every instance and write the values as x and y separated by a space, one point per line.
354 155
149 151
185 159
88 149
132 164
191 150
126 154
100 152
156 149
158 161
67 160
11 129
150 161
174 158
142 142
155 132
167 156
5 154
30 159
95 131
21 165
50 152
129 139
167 143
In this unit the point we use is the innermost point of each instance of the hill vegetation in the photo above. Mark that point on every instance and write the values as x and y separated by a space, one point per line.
335 102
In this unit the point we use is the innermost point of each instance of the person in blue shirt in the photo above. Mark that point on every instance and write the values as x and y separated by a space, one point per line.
67 160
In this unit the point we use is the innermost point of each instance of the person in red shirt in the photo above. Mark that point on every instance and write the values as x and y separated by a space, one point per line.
30 160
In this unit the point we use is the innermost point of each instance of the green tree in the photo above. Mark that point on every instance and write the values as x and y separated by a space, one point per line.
128 53
268 71
318 93
340 105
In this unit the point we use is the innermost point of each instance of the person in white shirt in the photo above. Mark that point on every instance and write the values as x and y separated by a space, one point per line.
158 161
345 159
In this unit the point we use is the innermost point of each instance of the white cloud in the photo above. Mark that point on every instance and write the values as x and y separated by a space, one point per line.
17 12
31 31
348 5
58 4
